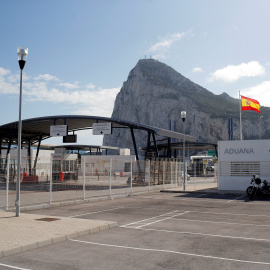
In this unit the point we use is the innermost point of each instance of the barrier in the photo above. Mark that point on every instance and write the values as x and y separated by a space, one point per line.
30 179
115 178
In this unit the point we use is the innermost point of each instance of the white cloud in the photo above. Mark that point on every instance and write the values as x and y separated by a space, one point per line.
259 92
45 88
233 73
98 102
90 86
8 82
4 72
160 48
46 77
197 69
69 85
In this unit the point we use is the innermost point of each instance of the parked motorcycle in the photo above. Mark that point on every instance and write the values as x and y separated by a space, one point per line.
258 187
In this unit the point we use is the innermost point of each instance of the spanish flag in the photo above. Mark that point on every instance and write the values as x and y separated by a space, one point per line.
250 104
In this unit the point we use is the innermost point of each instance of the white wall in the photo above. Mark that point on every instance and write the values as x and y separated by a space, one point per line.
242 152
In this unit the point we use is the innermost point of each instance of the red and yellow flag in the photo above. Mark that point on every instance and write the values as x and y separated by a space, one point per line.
250 104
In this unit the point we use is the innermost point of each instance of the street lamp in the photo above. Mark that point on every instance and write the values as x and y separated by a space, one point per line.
22 56
183 116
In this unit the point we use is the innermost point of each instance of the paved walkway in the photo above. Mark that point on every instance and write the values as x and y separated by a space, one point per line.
205 189
26 232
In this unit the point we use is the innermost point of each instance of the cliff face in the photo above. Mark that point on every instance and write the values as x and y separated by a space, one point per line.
155 94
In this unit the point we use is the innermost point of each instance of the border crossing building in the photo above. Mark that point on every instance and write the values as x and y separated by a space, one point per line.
239 160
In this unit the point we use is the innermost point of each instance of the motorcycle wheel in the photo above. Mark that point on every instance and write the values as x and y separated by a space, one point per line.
253 193
249 190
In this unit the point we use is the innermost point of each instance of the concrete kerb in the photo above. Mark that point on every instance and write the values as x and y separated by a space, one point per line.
64 203
77 201
208 191
19 239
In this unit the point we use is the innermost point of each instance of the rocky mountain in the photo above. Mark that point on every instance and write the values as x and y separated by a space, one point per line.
155 94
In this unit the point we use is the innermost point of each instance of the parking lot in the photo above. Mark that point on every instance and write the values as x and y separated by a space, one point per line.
161 230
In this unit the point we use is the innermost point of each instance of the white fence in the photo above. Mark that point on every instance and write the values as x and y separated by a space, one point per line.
60 182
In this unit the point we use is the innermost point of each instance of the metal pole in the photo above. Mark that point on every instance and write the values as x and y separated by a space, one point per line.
17 202
7 182
131 177
83 178
149 175
110 178
163 171
50 195
176 173
261 127
171 171
240 108
184 157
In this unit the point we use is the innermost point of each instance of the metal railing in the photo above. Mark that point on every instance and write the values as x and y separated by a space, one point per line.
54 183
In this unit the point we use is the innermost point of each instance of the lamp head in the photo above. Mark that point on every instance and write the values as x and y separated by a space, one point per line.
22 56
183 115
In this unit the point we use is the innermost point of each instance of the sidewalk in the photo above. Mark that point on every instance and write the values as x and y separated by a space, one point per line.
204 189
26 232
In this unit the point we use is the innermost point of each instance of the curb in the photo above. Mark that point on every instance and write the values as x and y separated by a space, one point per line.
229 192
54 240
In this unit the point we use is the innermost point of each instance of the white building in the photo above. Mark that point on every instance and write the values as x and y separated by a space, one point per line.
239 160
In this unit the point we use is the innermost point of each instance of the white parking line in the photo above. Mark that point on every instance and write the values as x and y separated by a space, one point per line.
106 210
162 219
215 213
236 198
230 214
203 234
14 267
132 223
171 251
221 222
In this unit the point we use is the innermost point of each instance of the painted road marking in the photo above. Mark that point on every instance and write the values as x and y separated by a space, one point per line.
14 267
203 234
230 214
171 251
236 198
106 210
149 221
221 222
162 219
151 218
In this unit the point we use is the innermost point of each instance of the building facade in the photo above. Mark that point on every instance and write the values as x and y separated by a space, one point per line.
239 160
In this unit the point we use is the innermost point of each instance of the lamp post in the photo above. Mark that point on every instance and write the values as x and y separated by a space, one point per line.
22 56
261 127
183 116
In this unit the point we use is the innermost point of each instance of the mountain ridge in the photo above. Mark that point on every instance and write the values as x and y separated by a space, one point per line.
155 94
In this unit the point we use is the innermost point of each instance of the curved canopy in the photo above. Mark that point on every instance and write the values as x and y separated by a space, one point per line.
37 129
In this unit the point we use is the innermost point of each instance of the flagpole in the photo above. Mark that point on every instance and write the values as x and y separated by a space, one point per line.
240 107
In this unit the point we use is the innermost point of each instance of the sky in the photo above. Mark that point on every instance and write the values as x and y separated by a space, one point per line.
81 51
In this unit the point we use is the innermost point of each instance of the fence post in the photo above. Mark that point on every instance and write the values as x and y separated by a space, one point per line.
110 178
83 178
7 182
50 198
149 176
176 182
131 176
171 171
163 175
